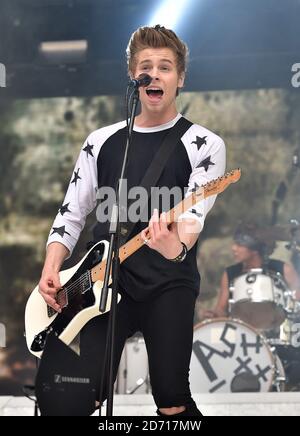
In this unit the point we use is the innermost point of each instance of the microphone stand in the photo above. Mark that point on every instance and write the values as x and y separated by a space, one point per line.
112 264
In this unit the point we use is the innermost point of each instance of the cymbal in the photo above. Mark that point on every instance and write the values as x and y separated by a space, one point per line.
279 233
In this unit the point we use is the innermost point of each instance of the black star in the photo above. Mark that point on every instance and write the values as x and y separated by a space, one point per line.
206 163
200 141
64 208
60 230
76 177
88 150
195 187
197 213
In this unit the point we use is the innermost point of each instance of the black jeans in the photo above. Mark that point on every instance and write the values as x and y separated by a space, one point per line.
166 322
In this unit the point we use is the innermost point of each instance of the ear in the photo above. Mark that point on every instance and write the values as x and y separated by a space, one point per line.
181 80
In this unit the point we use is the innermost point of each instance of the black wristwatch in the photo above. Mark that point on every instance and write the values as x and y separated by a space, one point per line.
182 255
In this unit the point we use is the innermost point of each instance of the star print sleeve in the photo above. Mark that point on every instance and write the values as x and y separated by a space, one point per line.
208 158
79 201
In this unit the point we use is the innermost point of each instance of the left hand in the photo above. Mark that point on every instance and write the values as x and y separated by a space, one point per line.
161 237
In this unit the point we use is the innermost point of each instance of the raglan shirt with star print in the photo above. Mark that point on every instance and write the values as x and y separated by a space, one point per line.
199 158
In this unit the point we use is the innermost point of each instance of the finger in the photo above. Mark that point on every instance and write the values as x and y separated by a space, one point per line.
56 282
163 223
145 234
46 285
174 228
52 293
154 225
49 290
51 302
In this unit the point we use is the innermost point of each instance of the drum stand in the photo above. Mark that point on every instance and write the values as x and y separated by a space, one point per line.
279 378
140 383
279 382
29 392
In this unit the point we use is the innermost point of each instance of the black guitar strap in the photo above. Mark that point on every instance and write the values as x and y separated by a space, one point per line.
155 170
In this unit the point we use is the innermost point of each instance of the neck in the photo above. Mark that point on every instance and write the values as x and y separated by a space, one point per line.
255 262
150 119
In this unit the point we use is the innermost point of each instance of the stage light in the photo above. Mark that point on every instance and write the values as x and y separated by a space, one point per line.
169 13
66 52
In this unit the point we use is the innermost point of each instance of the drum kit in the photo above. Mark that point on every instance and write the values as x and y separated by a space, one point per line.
256 349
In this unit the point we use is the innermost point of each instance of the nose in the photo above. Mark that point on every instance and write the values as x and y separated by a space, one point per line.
234 248
155 74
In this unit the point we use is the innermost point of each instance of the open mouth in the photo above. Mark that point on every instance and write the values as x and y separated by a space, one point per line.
154 93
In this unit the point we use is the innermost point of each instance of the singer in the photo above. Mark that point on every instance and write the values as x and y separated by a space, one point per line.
159 284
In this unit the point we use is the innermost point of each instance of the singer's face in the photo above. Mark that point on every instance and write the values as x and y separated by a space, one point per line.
160 63
242 253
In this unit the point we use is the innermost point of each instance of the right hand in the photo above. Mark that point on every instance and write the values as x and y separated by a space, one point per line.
49 285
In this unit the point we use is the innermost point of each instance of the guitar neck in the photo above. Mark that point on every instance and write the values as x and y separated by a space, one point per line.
135 243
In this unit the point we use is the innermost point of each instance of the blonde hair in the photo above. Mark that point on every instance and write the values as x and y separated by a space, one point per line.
156 37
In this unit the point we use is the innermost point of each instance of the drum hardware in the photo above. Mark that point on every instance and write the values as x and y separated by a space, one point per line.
279 381
138 384
252 275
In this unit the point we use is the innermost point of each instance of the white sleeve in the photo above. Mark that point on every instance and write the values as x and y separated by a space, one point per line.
207 155
79 201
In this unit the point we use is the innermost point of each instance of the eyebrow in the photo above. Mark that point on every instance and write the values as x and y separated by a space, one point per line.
161 60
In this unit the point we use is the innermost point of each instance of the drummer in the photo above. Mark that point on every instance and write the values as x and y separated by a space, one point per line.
250 251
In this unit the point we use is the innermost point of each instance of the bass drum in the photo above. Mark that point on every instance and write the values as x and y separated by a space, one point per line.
231 356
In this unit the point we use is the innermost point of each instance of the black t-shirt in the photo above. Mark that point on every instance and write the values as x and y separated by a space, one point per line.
272 265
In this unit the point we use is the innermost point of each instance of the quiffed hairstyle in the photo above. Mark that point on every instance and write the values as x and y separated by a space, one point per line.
156 37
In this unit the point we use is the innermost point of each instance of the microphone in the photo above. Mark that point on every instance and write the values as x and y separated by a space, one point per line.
142 80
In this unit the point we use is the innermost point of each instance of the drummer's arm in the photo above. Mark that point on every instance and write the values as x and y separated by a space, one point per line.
292 279
221 308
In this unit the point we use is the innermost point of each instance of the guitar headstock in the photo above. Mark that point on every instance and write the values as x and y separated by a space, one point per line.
219 185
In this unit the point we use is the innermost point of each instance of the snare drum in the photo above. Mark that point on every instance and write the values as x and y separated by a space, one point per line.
231 356
260 299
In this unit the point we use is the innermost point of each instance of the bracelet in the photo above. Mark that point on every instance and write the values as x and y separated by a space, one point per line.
180 258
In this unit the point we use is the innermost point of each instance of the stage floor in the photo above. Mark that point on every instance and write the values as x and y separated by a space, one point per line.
254 404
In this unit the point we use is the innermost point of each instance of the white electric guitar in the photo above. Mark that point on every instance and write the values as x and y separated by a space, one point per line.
82 285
